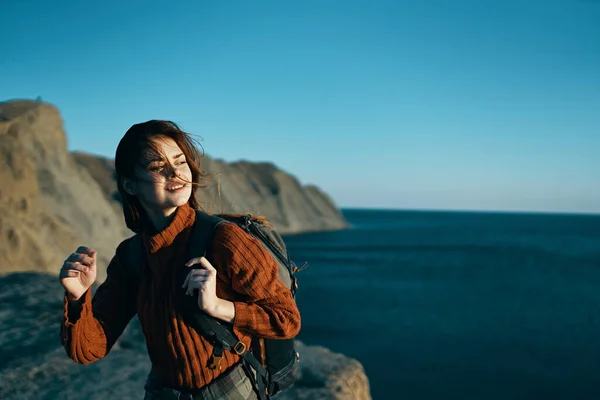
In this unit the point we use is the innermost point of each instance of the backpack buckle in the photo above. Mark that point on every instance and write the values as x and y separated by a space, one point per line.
239 348
215 362
215 359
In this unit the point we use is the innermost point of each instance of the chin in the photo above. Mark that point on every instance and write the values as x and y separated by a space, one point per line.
180 199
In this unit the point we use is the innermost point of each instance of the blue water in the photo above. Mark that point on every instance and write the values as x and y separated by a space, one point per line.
458 305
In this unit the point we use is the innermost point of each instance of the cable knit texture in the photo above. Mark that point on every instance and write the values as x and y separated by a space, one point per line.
246 275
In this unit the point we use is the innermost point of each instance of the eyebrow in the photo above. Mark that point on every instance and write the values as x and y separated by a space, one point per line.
158 158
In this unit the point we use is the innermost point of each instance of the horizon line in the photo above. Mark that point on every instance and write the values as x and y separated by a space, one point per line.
468 211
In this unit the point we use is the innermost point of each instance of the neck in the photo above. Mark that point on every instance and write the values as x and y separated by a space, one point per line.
161 218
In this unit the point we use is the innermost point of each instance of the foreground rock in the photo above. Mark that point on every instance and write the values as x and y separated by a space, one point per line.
328 375
52 201
34 365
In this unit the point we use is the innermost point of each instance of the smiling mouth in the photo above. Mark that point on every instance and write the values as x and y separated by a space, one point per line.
174 188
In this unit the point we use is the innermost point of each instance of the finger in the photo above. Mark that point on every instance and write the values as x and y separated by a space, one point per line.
193 261
71 273
196 283
200 272
68 273
81 258
193 273
76 266
195 276
86 250
198 280
187 278
206 264
202 262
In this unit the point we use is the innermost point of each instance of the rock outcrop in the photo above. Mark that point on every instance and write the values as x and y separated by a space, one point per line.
52 201
327 375
48 205
265 189
35 366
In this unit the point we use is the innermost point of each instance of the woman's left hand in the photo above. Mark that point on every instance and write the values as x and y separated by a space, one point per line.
205 280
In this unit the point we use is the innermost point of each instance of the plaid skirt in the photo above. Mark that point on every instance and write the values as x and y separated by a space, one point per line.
231 385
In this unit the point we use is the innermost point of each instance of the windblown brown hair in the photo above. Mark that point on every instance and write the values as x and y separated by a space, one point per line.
131 151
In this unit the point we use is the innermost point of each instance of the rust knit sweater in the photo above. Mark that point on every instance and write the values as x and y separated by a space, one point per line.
246 275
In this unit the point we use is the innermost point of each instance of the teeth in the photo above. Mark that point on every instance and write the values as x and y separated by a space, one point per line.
175 187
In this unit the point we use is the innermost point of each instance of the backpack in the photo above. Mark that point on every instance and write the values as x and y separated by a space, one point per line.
273 362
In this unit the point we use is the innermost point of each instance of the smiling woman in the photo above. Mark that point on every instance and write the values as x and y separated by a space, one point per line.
157 168
164 181
153 159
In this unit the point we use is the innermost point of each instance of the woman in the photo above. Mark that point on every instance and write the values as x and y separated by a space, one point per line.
157 169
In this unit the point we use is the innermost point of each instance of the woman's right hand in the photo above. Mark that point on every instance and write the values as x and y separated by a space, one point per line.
78 272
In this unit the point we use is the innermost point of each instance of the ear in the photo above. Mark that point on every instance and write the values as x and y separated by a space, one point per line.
129 186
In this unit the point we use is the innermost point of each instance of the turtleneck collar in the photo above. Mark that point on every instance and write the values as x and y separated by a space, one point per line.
184 216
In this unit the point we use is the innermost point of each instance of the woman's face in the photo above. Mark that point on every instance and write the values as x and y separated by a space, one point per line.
162 182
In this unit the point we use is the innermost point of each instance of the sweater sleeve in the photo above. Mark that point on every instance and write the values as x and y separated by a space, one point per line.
268 309
92 325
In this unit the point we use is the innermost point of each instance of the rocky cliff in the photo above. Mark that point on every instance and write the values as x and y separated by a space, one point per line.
48 204
52 201
264 189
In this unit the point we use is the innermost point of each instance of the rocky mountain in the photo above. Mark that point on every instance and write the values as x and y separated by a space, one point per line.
52 201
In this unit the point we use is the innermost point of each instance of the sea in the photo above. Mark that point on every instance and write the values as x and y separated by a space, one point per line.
458 305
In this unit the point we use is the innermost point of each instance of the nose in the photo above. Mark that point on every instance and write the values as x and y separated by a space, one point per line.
171 172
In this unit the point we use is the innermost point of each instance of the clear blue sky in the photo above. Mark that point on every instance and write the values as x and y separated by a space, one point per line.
480 105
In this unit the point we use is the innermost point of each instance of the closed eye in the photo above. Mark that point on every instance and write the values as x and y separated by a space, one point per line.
155 167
